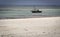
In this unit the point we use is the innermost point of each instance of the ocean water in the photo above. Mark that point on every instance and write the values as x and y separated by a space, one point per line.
27 12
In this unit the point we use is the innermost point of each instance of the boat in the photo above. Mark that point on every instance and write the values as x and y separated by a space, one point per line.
36 10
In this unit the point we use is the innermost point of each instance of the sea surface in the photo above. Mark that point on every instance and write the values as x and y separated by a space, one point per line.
26 11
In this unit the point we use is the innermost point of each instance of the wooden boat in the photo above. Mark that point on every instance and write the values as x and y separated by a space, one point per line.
36 11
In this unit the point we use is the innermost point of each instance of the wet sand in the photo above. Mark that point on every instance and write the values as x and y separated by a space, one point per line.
30 27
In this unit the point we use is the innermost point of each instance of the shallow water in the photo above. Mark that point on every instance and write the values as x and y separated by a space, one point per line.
27 13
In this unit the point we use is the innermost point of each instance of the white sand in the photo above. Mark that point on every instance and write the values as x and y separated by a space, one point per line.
30 27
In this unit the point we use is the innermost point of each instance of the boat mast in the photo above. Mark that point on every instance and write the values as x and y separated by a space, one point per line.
34 8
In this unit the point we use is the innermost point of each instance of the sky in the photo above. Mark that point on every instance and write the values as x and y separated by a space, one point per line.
29 2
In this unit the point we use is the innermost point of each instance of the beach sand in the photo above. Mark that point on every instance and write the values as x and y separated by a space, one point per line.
30 27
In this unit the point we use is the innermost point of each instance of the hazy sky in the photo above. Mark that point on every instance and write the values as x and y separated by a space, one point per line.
29 2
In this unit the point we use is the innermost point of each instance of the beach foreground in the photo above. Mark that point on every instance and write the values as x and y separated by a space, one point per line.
30 27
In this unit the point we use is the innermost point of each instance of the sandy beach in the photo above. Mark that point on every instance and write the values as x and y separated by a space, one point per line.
30 27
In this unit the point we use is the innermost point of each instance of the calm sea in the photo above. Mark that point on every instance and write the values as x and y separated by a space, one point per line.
27 11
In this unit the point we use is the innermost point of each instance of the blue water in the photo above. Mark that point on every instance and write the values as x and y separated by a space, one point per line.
47 12
14 13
